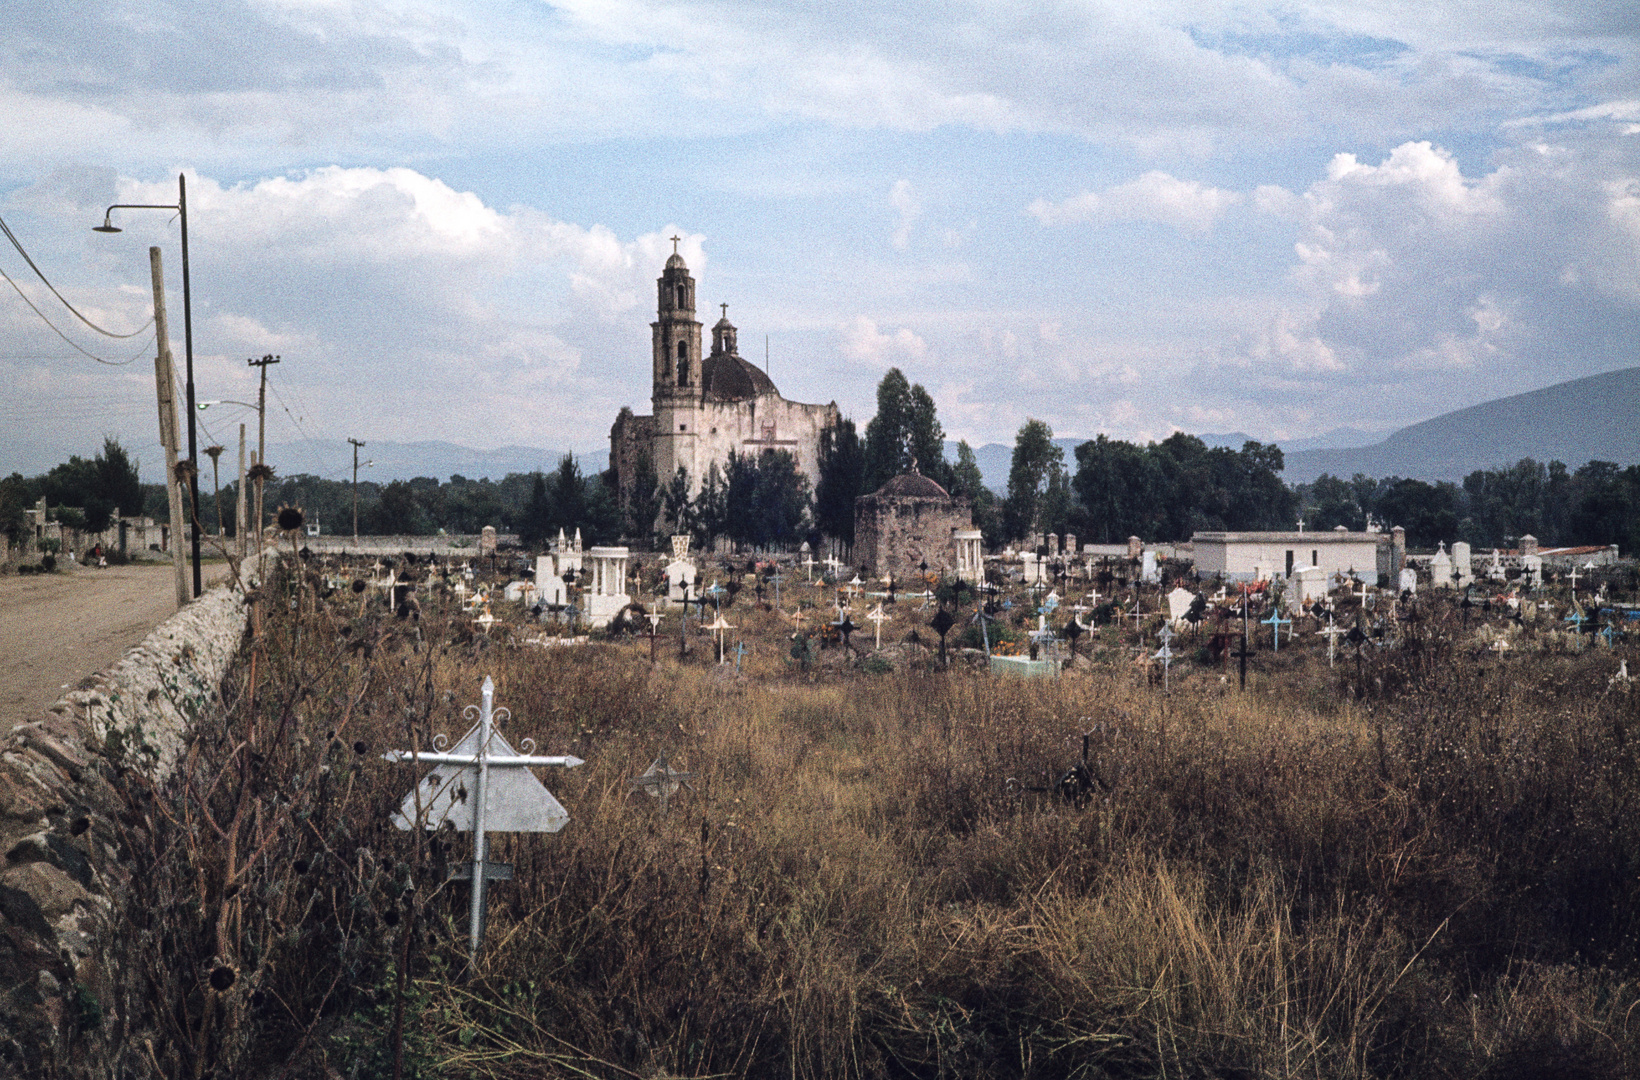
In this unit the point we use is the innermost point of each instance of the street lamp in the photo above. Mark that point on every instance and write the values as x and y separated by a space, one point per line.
203 405
108 226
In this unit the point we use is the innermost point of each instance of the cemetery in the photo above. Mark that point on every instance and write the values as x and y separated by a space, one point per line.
1089 814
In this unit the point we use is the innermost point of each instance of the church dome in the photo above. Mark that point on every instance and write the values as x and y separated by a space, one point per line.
674 262
913 485
725 377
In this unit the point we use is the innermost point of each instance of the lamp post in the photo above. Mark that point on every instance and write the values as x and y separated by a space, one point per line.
181 207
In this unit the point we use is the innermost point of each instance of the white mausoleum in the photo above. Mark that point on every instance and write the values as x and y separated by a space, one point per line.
1250 556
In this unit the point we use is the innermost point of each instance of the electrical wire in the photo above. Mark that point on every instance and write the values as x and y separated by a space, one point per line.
4 228
65 337
313 447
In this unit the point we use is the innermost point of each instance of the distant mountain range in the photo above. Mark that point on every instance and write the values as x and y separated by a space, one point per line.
333 459
1597 417
1589 419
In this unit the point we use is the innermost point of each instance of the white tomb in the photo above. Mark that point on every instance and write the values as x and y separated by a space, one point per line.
605 581
1178 604
1440 568
1409 580
1462 564
970 545
1308 584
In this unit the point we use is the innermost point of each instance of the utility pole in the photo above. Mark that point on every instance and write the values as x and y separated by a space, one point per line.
239 520
165 384
356 444
261 440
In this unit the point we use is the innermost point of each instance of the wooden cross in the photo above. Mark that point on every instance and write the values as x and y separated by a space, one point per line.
797 618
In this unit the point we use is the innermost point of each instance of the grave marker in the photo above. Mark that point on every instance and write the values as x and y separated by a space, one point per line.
491 789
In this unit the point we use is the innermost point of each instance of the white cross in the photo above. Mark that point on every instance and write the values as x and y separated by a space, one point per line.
512 800
1331 633
876 615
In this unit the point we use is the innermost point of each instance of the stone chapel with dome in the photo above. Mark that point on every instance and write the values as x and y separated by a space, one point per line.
705 408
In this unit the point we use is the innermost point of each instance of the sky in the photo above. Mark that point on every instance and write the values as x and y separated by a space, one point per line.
1130 219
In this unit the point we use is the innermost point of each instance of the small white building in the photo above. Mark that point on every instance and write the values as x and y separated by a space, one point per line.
1252 556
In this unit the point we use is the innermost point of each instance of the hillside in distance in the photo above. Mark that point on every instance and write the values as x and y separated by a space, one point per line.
333 459
1588 419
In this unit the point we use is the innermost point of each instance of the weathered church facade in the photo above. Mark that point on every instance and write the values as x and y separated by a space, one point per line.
706 408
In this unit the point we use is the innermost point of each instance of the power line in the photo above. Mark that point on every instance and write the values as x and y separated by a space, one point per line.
41 275
65 337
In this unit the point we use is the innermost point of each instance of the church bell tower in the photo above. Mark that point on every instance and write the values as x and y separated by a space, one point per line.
677 372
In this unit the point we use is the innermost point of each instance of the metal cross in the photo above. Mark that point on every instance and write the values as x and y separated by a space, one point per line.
472 798
1165 655
1332 633
740 650
661 781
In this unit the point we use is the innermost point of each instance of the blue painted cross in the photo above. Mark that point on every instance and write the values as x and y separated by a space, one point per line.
1275 622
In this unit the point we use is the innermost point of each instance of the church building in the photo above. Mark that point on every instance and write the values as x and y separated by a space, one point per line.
706 408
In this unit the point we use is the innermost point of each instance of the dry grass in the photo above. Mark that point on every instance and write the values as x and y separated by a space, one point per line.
1431 872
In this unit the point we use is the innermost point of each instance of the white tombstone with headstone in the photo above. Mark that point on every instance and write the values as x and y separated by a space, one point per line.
1494 569
486 540
1409 580
680 573
1147 571
549 581
1178 604
1462 564
1035 568
1440 568
1308 584
605 581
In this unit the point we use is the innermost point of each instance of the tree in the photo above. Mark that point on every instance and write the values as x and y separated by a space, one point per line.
709 510
842 472
1035 464
644 500
397 513
102 487
535 524
765 499
1428 512
906 429
676 508
968 483
16 496
887 446
567 493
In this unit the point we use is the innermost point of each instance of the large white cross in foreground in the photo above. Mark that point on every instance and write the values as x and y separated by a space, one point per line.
490 789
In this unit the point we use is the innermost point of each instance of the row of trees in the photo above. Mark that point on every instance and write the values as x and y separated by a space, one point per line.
1599 503
91 491
1161 491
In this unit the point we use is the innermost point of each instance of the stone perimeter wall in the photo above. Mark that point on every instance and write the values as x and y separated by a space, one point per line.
63 999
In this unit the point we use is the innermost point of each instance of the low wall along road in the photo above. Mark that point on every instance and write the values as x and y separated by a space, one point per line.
61 993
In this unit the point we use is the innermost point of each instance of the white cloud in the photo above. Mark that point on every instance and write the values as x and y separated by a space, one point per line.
1155 196
861 341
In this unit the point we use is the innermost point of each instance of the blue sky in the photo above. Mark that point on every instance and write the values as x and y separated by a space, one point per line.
1130 219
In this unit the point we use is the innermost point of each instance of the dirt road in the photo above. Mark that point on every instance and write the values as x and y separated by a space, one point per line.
55 629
